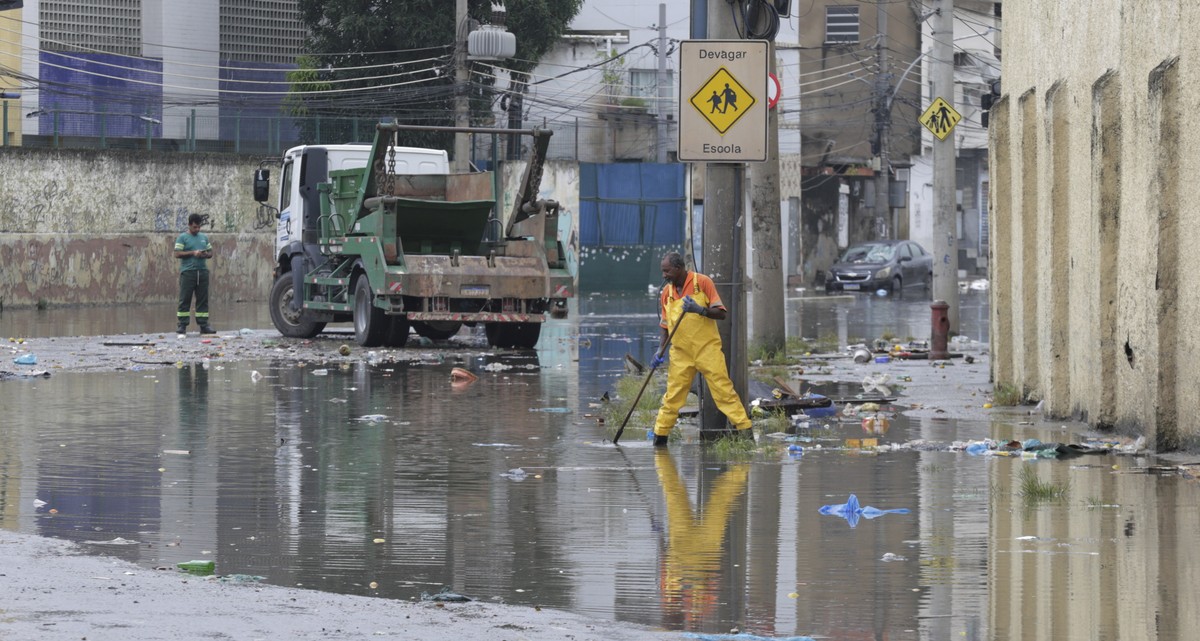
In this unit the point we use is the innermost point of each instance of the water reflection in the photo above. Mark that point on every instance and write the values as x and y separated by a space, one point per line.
693 592
336 478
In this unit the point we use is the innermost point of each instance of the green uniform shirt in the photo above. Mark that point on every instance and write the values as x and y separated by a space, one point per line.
189 242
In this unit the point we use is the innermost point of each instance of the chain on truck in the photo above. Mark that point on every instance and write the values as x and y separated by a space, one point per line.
387 237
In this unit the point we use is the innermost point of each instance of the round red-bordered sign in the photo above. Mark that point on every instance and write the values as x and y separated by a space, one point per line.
773 91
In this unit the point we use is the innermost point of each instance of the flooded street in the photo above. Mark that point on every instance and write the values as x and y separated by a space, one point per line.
382 479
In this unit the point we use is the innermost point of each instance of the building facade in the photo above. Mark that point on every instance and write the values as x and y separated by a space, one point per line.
153 68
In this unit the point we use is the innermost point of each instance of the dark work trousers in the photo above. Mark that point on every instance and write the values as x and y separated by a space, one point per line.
193 282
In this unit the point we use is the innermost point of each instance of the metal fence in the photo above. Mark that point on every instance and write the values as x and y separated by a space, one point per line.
585 138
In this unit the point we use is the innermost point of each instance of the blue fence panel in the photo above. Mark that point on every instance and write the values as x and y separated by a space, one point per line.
95 94
631 204
255 117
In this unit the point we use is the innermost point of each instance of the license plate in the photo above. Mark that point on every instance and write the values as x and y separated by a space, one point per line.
852 286
474 290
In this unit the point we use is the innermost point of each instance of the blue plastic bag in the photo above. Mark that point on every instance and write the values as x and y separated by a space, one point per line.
852 512
26 359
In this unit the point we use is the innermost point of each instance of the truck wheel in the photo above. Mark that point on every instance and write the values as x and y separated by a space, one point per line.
290 322
370 323
437 330
397 334
515 335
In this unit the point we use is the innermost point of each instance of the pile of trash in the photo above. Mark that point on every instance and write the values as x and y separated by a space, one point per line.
1027 449
1033 448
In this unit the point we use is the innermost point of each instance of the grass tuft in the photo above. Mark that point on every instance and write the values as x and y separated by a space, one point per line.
1006 395
733 447
1035 490
627 388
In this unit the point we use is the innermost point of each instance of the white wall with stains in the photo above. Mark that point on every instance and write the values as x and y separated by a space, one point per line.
1095 292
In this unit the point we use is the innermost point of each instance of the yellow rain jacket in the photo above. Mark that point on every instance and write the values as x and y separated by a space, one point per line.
696 347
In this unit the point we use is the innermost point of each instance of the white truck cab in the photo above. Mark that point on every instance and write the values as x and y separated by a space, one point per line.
306 166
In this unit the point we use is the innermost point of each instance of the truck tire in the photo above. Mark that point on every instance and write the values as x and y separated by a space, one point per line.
514 335
397 334
437 330
370 323
289 322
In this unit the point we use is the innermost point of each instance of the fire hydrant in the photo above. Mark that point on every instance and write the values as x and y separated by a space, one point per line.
940 332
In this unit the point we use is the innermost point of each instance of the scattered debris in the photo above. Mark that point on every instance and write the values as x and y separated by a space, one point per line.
445 596
26 374
460 375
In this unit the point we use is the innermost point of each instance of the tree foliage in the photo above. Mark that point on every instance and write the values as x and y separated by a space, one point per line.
376 59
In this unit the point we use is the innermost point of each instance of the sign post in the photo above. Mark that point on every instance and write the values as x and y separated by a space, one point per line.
723 117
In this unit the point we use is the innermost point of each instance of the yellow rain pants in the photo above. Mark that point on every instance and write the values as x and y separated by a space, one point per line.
696 347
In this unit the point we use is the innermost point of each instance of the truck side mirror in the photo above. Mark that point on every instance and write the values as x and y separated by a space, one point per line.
262 185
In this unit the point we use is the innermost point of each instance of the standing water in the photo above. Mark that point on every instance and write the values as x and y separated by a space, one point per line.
383 478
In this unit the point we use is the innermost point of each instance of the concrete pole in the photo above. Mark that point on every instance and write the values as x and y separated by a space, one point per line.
723 239
664 89
945 215
883 122
462 113
766 257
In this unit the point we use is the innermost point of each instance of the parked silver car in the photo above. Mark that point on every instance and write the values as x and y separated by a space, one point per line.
892 265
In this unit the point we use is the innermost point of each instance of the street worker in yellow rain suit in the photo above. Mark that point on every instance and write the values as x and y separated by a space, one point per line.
691 299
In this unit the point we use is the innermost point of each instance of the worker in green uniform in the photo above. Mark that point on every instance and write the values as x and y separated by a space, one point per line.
690 299
193 251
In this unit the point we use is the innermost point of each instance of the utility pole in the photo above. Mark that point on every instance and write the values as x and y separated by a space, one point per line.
883 123
462 113
945 215
663 84
724 240
766 268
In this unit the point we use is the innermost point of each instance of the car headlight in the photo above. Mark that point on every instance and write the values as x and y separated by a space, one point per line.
884 273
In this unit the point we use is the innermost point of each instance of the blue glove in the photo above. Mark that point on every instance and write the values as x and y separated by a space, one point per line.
658 360
691 307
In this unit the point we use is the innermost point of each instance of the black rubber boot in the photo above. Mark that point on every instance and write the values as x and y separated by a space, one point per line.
660 441
181 329
205 329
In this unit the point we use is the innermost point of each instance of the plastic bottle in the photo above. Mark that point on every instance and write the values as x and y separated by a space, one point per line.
200 568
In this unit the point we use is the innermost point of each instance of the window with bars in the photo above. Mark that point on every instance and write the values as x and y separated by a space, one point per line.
643 83
841 24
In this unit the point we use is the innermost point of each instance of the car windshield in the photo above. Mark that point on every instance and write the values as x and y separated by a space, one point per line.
869 253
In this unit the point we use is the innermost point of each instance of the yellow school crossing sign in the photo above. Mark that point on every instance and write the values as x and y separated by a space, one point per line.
940 118
722 100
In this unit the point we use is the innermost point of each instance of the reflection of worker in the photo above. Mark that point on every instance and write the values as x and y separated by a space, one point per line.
690 574
690 300
193 250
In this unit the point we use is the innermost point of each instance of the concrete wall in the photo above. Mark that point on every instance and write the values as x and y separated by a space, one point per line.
1089 150
98 227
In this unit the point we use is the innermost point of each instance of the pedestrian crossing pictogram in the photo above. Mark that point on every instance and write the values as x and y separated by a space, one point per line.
940 118
722 100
